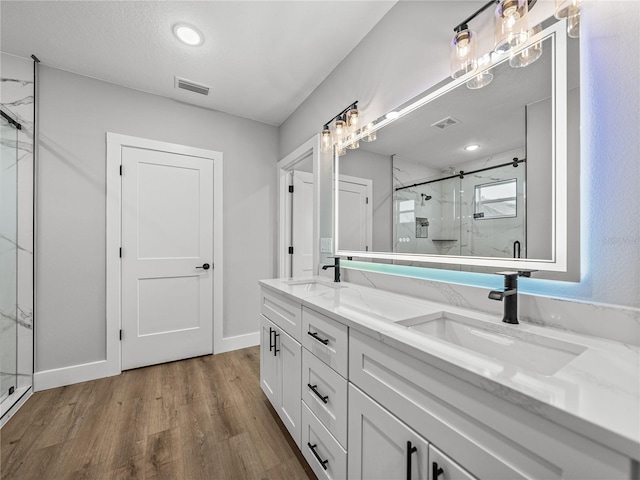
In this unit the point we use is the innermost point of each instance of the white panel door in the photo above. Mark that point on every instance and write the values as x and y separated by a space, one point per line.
354 215
167 233
302 224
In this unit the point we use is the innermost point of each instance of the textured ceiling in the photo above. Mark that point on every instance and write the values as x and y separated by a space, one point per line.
261 59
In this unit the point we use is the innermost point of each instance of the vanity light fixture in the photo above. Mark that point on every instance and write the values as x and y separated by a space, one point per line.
188 34
371 134
510 28
463 51
569 9
483 78
511 24
340 129
530 54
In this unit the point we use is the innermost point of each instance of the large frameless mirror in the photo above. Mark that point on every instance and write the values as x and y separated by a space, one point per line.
472 174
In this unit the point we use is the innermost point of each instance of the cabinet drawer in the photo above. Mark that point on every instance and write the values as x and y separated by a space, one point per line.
326 339
443 468
325 393
324 454
489 436
285 313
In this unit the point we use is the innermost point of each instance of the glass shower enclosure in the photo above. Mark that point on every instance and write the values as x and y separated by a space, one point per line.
8 256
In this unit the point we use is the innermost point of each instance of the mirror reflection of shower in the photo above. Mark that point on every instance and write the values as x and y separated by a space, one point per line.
479 211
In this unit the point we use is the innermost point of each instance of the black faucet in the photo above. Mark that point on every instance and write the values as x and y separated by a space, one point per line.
336 267
509 296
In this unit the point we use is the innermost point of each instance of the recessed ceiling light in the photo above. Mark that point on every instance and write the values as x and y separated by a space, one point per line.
392 115
471 148
188 34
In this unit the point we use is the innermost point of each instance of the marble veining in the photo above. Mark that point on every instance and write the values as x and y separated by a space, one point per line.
17 97
598 372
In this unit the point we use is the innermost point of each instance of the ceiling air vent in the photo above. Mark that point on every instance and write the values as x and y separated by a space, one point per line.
445 123
185 84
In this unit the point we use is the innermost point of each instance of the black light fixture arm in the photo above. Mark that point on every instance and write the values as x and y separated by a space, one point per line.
352 105
463 25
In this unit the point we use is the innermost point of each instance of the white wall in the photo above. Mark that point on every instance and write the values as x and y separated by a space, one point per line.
75 114
408 51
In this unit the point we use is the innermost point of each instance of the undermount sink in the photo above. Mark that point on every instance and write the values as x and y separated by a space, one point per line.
312 284
535 353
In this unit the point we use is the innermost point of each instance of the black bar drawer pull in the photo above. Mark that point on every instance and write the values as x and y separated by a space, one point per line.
275 343
314 390
410 451
321 340
436 471
271 345
315 454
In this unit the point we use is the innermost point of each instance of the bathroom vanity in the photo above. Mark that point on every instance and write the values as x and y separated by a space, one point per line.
372 384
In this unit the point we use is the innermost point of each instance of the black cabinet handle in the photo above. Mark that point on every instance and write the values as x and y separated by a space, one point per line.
321 340
436 471
271 345
275 343
410 451
315 454
314 390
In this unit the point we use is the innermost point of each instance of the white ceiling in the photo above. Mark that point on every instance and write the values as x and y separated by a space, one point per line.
260 58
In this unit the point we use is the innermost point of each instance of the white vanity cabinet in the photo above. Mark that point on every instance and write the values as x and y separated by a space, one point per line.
360 407
380 445
484 434
324 394
281 360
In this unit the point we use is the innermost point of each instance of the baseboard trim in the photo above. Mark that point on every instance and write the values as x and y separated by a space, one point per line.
59 377
236 343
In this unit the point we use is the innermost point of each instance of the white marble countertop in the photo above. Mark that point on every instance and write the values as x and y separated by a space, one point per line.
596 394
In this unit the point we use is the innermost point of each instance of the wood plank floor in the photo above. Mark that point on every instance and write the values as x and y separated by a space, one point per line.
202 418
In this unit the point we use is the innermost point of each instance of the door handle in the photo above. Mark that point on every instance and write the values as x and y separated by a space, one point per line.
205 266
410 451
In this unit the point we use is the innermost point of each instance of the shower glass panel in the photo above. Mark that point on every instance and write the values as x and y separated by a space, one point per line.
482 214
8 258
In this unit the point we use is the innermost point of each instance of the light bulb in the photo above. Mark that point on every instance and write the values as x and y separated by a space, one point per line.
325 140
340 130
510 24
567 8
463 51
529 54
484 78
370 133
353 118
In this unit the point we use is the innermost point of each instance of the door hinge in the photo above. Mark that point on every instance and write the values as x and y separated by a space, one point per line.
290 250
120 334
120 252
120 169
367 200
290 188
366 249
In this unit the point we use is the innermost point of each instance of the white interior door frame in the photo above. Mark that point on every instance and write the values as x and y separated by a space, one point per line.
115 143
310 147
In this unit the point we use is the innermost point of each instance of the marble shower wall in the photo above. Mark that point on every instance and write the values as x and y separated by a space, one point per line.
17 96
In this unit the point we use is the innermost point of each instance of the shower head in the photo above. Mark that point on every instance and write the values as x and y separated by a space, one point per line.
424 197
